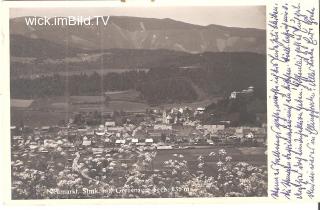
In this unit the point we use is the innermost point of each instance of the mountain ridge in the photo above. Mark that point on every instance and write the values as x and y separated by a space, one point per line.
148 33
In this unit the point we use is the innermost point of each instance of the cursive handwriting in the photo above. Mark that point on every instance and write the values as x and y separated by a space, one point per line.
293 94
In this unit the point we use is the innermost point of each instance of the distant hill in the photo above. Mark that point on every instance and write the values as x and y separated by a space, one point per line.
21 46
147 33
213 72
182 60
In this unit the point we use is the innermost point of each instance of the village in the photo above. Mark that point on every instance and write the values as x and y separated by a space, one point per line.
168 129
94 149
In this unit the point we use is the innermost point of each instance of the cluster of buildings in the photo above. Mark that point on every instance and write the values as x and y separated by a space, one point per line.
172 127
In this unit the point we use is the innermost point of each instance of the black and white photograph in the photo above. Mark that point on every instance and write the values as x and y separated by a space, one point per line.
138 102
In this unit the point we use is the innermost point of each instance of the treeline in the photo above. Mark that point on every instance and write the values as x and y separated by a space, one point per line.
159 85
240 111
168 90
80 84
152 89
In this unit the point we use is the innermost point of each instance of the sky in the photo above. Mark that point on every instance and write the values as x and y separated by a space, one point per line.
233 16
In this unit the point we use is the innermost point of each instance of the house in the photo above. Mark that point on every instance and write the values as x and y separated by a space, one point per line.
116 129
97 151
90 133
200 110
49 143
155 111
162 127
120 141
233 95
82 129
164 147
246 92
45 128
209 141
134 140
213 128
86 141
249 135
239 132
110 124
189 123
149 141
17 138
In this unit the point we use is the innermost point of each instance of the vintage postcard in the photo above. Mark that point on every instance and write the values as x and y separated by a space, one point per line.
110 101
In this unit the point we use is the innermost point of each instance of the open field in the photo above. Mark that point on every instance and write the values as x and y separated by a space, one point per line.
52 110
37 118
20 103
127 106
91 71
193 105
76 72
86 99
128 95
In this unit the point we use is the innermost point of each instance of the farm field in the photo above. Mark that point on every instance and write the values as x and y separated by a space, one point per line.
37 118
20 103
128 95
52 110
76 72
193 105
86 99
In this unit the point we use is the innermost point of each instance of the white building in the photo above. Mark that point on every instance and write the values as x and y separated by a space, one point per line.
120 141
149 140
110 124
86 141
199 110
162 127
245 92
213 128
134 140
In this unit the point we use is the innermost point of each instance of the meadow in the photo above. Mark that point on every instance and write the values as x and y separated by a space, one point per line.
52 110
